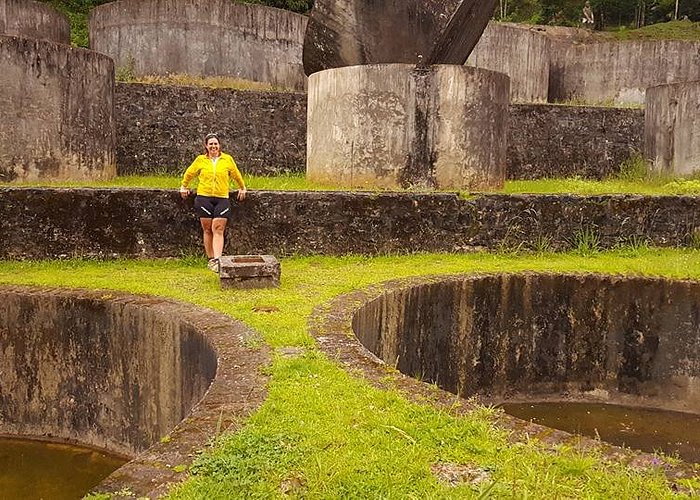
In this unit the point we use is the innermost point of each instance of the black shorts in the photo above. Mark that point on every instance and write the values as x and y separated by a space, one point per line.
209 207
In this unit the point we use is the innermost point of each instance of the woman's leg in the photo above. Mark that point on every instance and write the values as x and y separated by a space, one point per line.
207 235
218 227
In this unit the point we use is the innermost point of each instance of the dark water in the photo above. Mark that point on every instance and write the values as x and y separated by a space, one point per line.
37 469
674 433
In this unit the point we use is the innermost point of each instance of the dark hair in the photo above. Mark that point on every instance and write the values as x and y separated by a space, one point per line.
211 135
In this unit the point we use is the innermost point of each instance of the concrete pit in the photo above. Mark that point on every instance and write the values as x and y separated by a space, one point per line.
120 372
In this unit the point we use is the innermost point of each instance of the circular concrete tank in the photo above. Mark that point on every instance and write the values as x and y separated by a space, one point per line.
627 340
56 106
399 125
213 38
120 372
30 19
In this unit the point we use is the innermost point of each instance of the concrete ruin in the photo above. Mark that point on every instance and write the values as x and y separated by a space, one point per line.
625 340
213 38
398 125
352 32
30 19
57 110
672 128
121 372
249 271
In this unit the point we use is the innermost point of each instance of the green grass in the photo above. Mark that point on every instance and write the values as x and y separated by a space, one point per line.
296 182
323 434
672 30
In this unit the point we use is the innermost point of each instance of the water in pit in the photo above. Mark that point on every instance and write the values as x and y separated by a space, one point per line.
649 430
38 469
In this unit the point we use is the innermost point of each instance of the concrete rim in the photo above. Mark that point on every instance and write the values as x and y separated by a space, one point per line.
331 326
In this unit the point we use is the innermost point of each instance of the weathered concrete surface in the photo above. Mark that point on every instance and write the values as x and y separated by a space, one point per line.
546 141
56 110
672 128
120 372
161 128
351 32
249 271
217 37
620 72
333 325
399 125
122 222
522 54
30 19
502 336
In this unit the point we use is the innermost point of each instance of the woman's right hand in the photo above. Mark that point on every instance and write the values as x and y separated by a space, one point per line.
184 192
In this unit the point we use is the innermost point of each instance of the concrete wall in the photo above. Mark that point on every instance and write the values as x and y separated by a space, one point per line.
520 53
130 223
397 125
672 128
30 19
566 141
529 334
162 128
620 71
118 374
217 37
159 128
56 110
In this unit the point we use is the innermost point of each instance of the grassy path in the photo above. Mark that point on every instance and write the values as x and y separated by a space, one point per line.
322 433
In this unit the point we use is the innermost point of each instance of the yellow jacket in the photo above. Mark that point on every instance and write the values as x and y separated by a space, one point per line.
213 179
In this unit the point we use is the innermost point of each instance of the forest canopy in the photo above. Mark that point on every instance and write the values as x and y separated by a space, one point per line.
608 13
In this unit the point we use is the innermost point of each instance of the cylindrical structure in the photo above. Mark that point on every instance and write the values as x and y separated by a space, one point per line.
620 72
56 110
213 38
672 128
399 125
522 54
31 19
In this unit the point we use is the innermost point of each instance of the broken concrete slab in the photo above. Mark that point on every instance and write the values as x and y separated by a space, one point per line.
352 32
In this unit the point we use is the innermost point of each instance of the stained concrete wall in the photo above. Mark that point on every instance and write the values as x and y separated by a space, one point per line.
672 128
108 371
30 19
161 128
398 125
547 141
56 107
217 37
520 53
124 222
620 71
530 334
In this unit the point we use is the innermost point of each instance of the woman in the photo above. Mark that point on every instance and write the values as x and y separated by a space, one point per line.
214 169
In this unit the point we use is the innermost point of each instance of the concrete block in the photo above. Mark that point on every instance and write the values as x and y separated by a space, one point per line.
249 271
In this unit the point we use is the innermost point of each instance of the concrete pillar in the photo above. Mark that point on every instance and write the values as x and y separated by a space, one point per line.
399 125
672 128
56 110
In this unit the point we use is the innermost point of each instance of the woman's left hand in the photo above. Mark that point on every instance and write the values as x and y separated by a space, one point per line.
241 194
